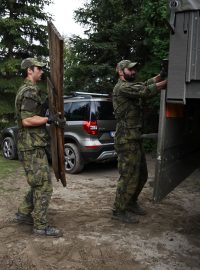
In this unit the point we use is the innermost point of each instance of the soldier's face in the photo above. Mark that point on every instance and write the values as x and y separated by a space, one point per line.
129 74
37 73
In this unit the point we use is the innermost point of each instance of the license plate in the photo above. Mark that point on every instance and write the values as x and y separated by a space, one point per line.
112 134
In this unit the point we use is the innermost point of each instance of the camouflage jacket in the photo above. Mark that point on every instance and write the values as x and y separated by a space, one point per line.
127 103
28 103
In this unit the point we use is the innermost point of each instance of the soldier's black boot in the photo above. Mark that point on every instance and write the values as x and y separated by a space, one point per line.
135 208
26 219
125 216
48 231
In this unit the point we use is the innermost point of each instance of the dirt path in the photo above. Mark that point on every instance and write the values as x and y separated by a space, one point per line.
168 238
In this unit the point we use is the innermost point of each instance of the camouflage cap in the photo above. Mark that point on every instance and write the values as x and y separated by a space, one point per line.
125 64
28 62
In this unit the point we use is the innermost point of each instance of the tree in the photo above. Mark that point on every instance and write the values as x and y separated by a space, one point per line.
23 33
114 31
155 15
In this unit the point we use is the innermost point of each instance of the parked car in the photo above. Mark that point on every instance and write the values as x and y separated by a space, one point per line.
88 134
8 142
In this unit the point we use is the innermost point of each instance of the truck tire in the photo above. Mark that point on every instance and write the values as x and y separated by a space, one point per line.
9 148
73 160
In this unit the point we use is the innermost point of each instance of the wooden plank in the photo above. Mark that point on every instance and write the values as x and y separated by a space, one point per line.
56 105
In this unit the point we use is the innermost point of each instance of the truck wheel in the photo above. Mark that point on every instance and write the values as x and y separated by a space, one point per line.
73 160
9 148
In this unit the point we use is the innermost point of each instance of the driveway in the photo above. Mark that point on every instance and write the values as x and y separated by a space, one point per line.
168 238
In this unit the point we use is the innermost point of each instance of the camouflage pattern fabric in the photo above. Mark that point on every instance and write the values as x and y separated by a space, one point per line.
31 143
125 64
28 102
38 177
29 62
127 102
133 174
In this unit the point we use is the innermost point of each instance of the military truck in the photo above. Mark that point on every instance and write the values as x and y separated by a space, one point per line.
178 150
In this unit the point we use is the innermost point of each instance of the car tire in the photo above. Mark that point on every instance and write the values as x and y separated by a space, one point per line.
73 160
9 148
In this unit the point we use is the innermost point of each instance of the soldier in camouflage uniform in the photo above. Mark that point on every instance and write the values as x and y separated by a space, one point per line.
32 140
127 103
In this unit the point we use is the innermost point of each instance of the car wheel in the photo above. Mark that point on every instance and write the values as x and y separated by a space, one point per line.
9 148
73 160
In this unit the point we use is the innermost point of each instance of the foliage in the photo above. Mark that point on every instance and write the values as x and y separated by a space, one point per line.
23 33
155 15
7 167
115 30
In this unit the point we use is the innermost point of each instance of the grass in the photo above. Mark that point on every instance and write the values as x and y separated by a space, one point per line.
8 167
10 171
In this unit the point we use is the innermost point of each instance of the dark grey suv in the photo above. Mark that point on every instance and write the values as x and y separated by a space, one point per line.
89 131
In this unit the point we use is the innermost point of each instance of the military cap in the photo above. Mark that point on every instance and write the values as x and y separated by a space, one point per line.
28 62
125 64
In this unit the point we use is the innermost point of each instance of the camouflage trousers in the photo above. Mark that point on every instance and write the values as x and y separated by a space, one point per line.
36 200
133 174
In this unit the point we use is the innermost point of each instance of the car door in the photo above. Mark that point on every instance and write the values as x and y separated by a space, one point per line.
105 120
178 150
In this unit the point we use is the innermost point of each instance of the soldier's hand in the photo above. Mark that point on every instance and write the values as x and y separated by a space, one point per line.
163 74
164 69
60 122
161 85
56 120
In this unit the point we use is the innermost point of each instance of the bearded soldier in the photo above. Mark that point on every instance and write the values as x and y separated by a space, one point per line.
127 103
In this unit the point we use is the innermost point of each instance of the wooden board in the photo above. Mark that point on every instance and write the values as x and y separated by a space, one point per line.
56 105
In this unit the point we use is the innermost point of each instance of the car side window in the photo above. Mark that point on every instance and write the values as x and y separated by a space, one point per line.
67 107
105 110
80 111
